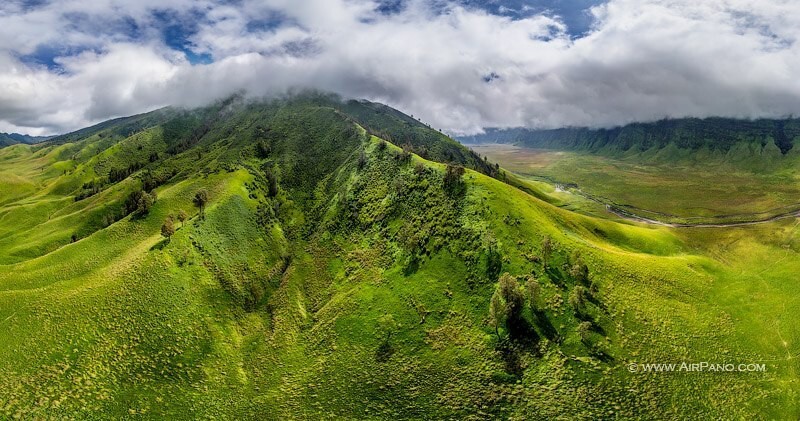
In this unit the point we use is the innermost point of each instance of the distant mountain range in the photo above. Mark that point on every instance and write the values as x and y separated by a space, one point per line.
714 134
8 139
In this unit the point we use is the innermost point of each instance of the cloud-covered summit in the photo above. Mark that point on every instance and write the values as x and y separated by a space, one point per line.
460 65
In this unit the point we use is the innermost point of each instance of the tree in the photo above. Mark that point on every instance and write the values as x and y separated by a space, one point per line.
138 202
505 307
452 178
132 202
405 155
387 326
509 289
547 250
584 329
272 183
144 203
168 228
362 160
532 291
262 150
494 259
579 271
200 200
497 312
182 216
577 298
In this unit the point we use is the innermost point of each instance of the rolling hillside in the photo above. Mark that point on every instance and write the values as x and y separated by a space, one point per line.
341 260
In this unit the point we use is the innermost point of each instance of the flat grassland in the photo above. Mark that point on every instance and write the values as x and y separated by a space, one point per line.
677 188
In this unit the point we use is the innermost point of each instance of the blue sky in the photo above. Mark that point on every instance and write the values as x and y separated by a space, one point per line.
458 64
574 13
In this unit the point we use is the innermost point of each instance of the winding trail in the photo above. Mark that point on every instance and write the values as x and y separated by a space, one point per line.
632 217
748 219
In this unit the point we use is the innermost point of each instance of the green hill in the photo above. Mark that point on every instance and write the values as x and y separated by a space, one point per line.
327 269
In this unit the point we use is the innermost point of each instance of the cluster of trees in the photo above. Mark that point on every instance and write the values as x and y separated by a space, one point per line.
139 202
151 180
511 297
272 182
509 300
405 155
168 228
263 149
453 183
89 189
183 133
116 175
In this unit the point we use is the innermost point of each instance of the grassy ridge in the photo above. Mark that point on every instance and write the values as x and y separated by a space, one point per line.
275 304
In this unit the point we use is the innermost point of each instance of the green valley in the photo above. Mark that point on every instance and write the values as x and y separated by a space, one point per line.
316 258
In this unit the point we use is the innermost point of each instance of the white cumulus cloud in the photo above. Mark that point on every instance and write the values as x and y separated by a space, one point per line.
458 68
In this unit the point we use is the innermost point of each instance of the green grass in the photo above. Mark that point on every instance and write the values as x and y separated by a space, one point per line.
269 307
677 188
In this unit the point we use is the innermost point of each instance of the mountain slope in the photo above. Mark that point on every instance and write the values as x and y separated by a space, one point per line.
333 274
8 139
678 138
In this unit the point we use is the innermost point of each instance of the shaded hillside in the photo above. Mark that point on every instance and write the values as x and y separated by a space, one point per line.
714 134
276 260
401 129
7 139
